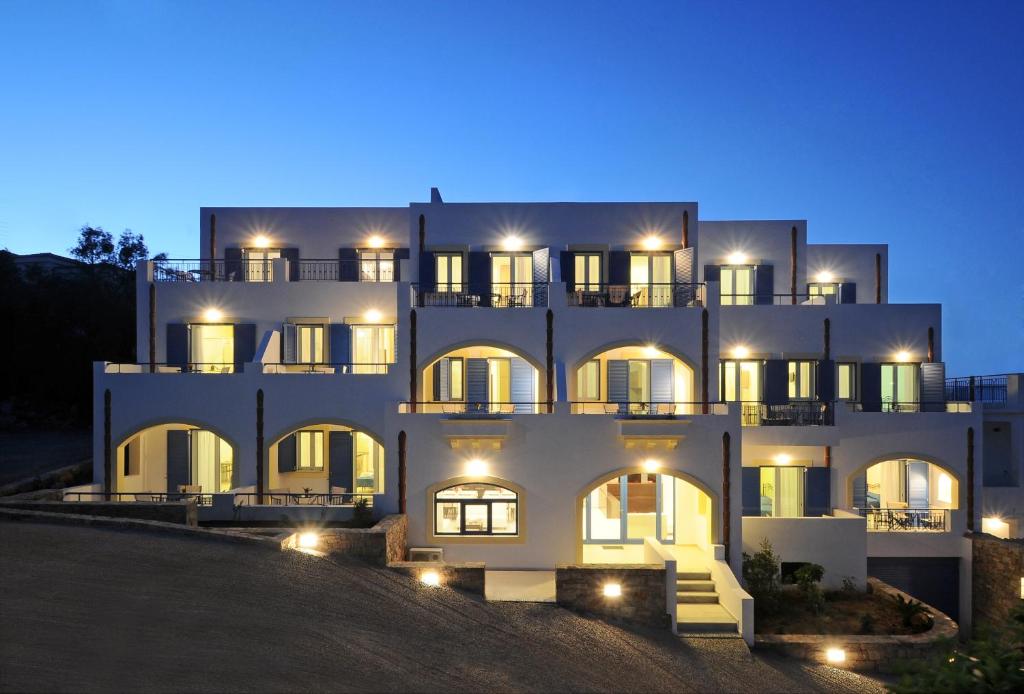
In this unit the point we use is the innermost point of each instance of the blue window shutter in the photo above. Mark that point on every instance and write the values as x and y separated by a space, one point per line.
340 454
776 382
933 387
177 345
567 264
751 487
682 262
286 453
348 264
826 380
178 458
245 344
860 491
128 458
522 385
400 254
712 273
476 381
292 256
871 387
435 373
917 484
233 265
618 267
618 380
662 380
428 271
764 285
848 293
817 491
236 468
289 350
480 276
341 343
444 367
541 276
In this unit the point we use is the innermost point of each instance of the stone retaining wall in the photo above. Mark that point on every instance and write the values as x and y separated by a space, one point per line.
182 512
864 652
469 576
580 587
382 544
998 566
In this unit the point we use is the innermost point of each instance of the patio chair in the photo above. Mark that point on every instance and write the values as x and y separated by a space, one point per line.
617 294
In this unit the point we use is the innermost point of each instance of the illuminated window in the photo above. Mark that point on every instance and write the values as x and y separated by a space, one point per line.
512 279
801 380
945 494
309 450
650 279
737 285
846 381
259 264
368 465
309 343
782 491
476 509
211 463
373 348
587 271
829 290
899 387
376 266
741 381
449 376
449 272
588 381
212 347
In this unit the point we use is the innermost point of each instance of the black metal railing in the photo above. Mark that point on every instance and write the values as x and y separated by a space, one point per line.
174 270
990 390
325 368
809 413
473 409
909 407
779 299
302 270
281 498
494 295
648 409
140 497
313 270
650 295
166 368
896 520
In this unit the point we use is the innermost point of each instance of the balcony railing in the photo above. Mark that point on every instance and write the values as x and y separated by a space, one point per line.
473 409
648 409
139 497
496 295
665 295
908 407
990 390
901 520
332 368
165 368
302 270
277 498
779 300
812 413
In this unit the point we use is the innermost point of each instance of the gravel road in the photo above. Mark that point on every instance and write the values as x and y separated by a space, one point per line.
90 609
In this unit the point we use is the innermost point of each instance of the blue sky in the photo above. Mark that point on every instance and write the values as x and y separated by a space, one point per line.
894 122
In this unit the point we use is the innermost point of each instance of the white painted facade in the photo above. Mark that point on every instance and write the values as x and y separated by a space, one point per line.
551 459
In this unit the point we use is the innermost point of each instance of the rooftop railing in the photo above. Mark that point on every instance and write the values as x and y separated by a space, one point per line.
302 270
909 407
990 390
280 498
643 295
165 368
779 300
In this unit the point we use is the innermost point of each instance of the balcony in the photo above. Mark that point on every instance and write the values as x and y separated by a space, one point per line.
504 295
668 295
649 410
473 410
911 407
989 390
758 414
327 368
165 368
906 520
780 300
275 270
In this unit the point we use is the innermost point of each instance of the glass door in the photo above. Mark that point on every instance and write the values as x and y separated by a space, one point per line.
650 279
899 388
499 383
737 285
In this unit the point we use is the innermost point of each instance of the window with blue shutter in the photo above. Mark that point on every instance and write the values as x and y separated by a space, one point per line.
618 380
618 267
751 490
292 256
522 385
245 344
286 454
776 382
177 345
341 344
860 491
871 387
933 387
541 271
662 380
917 484
682 267
567 265
178 459
233 265
826 380
339 459
764 285
348 264
848 293
288 342
480 276
476 382
817 491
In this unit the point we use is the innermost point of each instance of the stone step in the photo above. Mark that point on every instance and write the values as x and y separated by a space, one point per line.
693 575
694 586
692 619
697 597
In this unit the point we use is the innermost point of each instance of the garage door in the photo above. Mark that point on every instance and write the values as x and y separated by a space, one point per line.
934 580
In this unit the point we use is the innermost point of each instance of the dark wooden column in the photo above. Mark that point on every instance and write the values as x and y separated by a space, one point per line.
704 360
108 469
213 247
401 471
550 385
726 521
152 327
931 344
970 479
686 230
412 361
259 446
828 339
423 233
792 264
878 278
828 456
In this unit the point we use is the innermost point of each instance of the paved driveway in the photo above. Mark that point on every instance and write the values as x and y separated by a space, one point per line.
88 609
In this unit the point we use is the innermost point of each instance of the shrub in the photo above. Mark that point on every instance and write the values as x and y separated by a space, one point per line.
807 578
908 608
362 514
849 587
867 624
761 574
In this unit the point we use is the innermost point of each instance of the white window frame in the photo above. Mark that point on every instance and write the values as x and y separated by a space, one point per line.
314 440
796 379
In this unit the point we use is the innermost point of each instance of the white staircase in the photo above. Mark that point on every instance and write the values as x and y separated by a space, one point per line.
698 610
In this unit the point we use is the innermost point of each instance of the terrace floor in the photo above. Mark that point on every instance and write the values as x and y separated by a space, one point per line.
91 609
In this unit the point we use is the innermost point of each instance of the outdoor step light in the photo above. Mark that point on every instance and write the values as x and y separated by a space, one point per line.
835 656
309 540
430 578
613 590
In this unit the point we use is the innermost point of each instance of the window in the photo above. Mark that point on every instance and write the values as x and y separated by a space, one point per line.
801 380
449 272
899 387
499 382
376 266
587 271
309 345
456 377
782 492
476 509
259 264
626 509
309 450
639 381
368 472
846 381
737 285
741 381
212 347
449 377
512 280
588 381
373 348
650 279
212 461
945 492
829 290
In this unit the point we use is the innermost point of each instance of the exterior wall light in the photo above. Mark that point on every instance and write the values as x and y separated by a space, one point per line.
993 525
372 316
782 458
835 655
737 258
740 352
651 465
824 276
903 356
512 243
375 241
476 467
651 351
613 590
430 578
213 315
309 540
652 243
261 241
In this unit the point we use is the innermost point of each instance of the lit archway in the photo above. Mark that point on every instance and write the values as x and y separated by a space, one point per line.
484 378
634 378
326 457
175 457
905 493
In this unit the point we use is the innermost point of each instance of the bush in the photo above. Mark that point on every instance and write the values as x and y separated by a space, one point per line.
362 514
867 624
908 608
761 574
807 578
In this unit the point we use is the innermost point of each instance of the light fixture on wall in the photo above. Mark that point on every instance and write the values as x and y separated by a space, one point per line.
994 525
372 316
782 458
824 276
835 655
651 465
476 467
613 590
737 258
651 242
512 243
212 315
903 356
651 351
740 352
261 241
430 578
375 241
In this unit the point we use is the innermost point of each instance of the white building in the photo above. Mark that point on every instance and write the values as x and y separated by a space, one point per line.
539 384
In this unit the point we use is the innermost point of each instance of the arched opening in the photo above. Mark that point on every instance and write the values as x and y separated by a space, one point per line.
326 458
905 495
175 458
636 380
476 509
483 379
620 512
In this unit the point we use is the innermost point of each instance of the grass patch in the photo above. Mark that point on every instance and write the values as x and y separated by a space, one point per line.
843 613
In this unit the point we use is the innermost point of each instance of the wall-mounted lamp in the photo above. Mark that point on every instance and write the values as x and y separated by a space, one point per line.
782 458
612 590
651 465
651 351
476 467
737 258
824 276
651 242
261 241
903 356
512 243
372 316
740 352
212 315
375 241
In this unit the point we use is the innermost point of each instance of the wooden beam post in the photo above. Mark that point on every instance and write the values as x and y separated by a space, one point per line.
686 229
413 381
931 344
213 247
401 471
792 264
704 361
970 479
828 456
726 469
108 483
152 327
878 278
828 339
259 446
550 348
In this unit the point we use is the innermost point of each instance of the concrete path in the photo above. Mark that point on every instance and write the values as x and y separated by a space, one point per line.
92 609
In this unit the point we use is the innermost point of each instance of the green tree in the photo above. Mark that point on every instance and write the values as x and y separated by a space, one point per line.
94 245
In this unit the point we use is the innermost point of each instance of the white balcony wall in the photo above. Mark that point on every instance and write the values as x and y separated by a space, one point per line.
850 262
